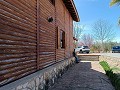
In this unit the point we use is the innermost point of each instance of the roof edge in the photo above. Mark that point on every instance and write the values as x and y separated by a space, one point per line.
72 9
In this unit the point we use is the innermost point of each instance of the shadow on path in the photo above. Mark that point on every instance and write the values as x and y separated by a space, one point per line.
84 76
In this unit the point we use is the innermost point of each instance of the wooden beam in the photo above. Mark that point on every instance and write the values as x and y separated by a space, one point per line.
72 9
38 33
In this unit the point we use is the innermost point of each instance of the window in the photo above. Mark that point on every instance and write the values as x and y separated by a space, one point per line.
53 2
60 39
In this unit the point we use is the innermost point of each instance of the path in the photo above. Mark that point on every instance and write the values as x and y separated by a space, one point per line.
87 75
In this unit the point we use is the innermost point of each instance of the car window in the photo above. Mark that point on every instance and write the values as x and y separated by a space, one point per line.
116 47
85 46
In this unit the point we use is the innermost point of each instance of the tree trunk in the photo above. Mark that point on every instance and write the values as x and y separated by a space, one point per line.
102 46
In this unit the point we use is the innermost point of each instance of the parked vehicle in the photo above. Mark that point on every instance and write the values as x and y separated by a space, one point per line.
77 49
84 49
116 49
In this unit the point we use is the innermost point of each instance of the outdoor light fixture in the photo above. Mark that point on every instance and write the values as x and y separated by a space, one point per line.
75 39
50 19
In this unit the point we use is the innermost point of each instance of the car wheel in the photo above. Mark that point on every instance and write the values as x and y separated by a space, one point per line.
87 52
81 51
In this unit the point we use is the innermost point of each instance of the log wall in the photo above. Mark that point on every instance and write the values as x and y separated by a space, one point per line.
28 42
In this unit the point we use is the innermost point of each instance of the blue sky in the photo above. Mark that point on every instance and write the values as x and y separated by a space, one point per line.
93 10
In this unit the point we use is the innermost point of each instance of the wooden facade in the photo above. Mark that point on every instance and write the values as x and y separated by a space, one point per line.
28 41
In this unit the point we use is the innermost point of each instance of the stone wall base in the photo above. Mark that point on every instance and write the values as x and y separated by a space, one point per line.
42 79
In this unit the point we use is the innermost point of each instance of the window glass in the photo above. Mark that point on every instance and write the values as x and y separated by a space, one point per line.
62 39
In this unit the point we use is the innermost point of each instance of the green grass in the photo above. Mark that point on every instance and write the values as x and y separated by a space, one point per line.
116 69
115 78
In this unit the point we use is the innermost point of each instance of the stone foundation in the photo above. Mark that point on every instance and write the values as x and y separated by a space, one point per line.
42 79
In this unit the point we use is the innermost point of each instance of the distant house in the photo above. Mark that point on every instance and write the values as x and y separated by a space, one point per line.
34 34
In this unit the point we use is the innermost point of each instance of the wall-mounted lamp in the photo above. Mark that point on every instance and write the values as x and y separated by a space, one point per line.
75 39
50 19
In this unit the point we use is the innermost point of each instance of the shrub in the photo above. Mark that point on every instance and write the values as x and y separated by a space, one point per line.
115 79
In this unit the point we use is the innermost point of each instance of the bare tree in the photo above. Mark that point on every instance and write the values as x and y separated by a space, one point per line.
103 31
77 32
78 29
96 47
87 40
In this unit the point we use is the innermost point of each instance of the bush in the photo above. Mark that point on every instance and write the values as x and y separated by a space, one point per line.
115 79
105 65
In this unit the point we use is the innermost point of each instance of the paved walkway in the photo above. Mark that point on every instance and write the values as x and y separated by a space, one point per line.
84 76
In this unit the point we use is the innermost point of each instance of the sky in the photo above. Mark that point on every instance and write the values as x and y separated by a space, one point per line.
92 10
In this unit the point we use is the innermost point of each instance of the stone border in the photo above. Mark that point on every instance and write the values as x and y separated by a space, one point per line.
42 79
88 57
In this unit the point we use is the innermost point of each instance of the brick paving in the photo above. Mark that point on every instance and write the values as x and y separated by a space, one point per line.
86 75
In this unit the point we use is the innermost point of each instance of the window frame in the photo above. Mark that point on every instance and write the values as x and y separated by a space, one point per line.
52 2
61 39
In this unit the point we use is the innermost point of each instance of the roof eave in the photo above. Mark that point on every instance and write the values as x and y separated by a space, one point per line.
72 9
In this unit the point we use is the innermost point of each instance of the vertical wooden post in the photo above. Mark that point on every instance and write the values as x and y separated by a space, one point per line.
64 35
38 33
69 37
56 34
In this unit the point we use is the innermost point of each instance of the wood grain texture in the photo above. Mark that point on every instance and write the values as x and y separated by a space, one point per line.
18 39
28 42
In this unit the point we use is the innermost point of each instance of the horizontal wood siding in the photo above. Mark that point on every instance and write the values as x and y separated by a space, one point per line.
60 22
47 34
28 42
71 37
17 39
64 22
67 29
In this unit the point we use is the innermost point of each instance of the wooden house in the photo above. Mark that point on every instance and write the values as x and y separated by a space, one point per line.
34 34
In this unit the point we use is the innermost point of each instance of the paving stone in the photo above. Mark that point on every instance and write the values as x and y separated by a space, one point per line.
86 75
19 87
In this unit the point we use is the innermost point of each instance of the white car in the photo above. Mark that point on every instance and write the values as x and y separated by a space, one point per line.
84 49
77 49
